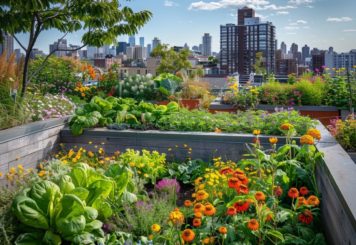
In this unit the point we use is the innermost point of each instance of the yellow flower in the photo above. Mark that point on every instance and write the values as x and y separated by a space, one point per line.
132 164
1 174
273 140
141 165
90 142
145 175
150 237
20 167
70 153
217 130
155 227
306 140
12 170
90 154
107 158
256 132
286 126
101 151
176 217
101 162
201 187
42 173
314 133
201 195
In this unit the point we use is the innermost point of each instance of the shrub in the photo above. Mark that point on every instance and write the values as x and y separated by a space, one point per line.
311 92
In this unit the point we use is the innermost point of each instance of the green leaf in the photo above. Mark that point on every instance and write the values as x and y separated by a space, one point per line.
274 234
33 238
51 238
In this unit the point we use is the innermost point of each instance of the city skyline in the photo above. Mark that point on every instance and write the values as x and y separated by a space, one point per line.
185 21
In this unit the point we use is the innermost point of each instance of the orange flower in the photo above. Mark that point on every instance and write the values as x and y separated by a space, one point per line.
260 196
293 192
196 222
303 191
314 133
273 140
188 235
256 132
222 230
226 170
243 189
188 203
241 206
208 240
198 214
231 211
306 217
286 126
233 183
199 207
278 191
155 227
306 140
210 210
242 178
313 200
301 201
253 225
176 216
201 195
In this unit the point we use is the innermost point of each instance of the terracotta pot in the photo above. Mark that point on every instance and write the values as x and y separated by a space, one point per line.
190 103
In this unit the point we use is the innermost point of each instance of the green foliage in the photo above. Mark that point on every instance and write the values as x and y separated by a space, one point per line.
345 132
311 93
58 74
244 122
102 112
337 92
171 61
258 66
187 171
168 84
243 99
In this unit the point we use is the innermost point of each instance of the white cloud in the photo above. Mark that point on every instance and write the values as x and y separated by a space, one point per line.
274 7
339 19
298 22
291 33
218 4
291 27
282 13
300 2
168 3
349 30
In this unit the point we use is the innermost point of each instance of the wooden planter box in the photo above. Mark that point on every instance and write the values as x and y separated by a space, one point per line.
190 103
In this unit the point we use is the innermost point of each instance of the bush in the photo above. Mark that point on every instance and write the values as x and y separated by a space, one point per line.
140 87
311 93
275 93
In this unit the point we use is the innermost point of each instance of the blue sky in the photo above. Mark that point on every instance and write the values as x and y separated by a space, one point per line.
318 23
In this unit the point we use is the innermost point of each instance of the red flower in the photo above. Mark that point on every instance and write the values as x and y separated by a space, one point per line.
303 191
242 189
293 192
234 183
278 191
241 206
231 211
226 170
306 217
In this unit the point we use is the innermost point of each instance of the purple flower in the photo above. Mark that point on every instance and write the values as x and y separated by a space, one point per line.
168 184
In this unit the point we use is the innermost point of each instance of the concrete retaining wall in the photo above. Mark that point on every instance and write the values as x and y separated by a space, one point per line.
28 144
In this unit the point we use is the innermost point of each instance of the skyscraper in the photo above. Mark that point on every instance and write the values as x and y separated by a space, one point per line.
283 48
121 47
254 36
206 48
60 44
228 48
155 42
149 49
7 45
305 53
132 41
142 41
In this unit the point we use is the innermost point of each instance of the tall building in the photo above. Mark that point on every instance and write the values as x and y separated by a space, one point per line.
136 53
155 42
206 44
132 41
318 61
305 53
60 44
254 36
149 49
345 60
228 48
284 48
142 41
7 45
285 66
121 47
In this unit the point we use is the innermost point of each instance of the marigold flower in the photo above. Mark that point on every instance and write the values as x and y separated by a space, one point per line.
188 203
315 133
306 140
222 230
260 196
226 170
256 132
273 140
306 217
233 183
243 189
313 200
286 126
196 222
301 201
188 235
208 240
242 177
176 216
241 206
210 210
201 195
303 191
217 130
293 192
42 173
199 207
231 211
278 191
253 225
155 227
198 215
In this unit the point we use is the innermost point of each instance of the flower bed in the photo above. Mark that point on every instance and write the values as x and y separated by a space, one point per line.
269 197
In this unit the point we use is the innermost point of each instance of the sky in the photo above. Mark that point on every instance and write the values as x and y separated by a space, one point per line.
317 23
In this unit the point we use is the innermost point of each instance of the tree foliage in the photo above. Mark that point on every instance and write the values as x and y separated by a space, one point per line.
101 20
171 61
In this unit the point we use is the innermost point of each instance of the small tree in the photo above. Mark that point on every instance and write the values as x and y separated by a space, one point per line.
102 21
171 61
258 66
